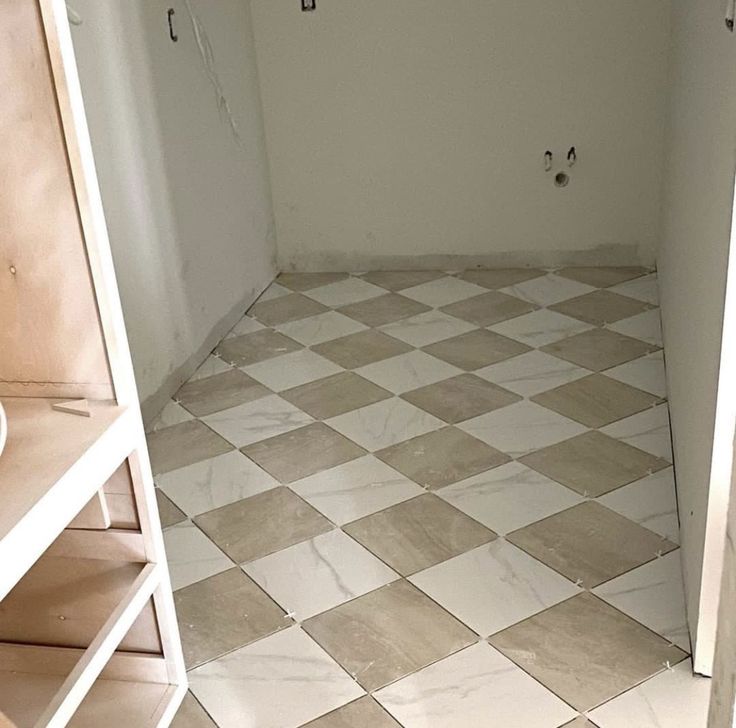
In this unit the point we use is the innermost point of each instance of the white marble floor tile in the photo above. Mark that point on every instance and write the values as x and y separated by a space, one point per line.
409 371
509 497
645 326
291 370
642 289
654 595
349 290
318 329
443 291
494 586
521 428
649 431
213 483
541 327
384 423
256 421
651 502
356 489
275 290
673 699
172 414
191 555
477 686
246 325
319 574
532 373
211 366
427 328
548 289
281 681
645 373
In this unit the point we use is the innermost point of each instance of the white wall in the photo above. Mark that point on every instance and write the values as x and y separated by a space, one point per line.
409 128
187 196
692 262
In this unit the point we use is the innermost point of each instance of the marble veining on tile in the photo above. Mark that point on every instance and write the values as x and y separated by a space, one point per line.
318 574
493 586
548 289
509 497
467 688
281 681
215 482
672 698
356 489
257 420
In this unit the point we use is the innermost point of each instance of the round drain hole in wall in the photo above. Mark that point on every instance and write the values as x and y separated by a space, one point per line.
562 179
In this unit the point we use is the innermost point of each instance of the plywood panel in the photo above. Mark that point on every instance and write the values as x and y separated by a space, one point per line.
50 332
64 602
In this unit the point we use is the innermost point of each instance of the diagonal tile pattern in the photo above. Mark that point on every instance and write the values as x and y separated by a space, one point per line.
374 472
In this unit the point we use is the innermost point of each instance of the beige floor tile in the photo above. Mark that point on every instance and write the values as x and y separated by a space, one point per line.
461 398
168 511
335 395
580 722
222 391
476 349
601 277
384 309
286 308
400 279
222 613
596 400
264 523
192 715
363 713
599 349
252 348
388 634
601 307
489 308
418 533
361 349
593 464
308 281
184 444
586 651
443 457
303 452
590 544
500 277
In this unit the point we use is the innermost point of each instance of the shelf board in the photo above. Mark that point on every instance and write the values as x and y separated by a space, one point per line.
52 465
109 703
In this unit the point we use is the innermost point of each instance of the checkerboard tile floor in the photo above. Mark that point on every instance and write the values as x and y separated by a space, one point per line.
430 500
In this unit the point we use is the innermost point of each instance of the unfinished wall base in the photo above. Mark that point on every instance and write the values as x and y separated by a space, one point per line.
153 404
350 262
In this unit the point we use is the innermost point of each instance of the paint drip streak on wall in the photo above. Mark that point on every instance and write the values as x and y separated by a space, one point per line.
208 61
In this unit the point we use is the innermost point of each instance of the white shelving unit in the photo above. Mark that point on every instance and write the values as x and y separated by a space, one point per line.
88 633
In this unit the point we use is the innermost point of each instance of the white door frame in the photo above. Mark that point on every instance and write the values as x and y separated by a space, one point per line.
719 484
